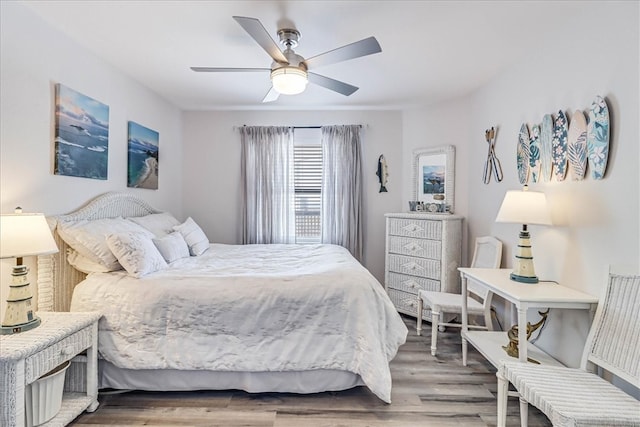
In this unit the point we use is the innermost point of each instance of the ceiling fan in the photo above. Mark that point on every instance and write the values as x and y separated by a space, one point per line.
289 71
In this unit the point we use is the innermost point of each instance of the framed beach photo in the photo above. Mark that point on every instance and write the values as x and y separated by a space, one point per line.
81 135
143 147
433 176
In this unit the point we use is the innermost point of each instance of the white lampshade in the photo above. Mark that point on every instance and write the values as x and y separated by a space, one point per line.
25 234
21 235
289 80
524 207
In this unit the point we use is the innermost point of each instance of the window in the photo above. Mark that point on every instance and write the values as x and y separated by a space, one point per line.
307 171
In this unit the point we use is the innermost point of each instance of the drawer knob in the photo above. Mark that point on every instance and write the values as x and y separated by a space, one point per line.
67 351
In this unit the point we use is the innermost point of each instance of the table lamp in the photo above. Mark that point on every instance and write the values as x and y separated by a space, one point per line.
21 235
524 207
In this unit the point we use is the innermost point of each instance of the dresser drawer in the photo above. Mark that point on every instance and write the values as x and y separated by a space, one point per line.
420 228
412 284
414 266
423 248
404 302
407 303
42 362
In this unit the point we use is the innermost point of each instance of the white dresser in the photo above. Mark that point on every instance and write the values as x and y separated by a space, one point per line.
423 251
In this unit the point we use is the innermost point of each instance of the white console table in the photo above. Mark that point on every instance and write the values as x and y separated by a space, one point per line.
524 296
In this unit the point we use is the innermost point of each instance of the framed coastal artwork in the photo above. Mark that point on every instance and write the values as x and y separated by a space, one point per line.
143 144
433 176
81 135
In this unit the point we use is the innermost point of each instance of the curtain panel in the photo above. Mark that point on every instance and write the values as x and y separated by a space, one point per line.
267 184
341 214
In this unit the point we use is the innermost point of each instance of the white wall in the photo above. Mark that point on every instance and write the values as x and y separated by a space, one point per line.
596 222
446 124
34 57
212 169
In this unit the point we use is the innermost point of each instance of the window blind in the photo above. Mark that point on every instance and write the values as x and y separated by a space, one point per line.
307 157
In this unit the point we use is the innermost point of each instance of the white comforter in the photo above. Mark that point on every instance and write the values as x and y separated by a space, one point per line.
249 308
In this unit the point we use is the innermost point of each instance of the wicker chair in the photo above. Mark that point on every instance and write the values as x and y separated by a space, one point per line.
487 254
575 397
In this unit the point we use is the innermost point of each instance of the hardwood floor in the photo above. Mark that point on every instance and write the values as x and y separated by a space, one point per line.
427 391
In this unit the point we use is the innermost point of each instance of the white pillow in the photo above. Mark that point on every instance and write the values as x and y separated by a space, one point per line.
89 238
194 236
136 253
84 264
159 224
172 247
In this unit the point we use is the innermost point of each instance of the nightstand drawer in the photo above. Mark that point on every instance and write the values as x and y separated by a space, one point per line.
414 266
423 248
42 362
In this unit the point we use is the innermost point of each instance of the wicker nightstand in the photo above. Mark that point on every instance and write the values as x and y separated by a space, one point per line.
26 356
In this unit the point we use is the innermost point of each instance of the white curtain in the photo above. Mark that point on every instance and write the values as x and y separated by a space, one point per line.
267 183
342 188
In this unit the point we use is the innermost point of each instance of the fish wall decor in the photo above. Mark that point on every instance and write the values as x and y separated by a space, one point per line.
383 173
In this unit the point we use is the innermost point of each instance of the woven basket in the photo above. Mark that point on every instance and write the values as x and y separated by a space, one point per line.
43 398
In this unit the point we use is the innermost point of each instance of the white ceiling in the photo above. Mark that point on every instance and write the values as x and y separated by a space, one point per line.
431 50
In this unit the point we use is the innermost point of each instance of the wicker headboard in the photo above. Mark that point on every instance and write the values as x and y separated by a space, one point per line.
56 277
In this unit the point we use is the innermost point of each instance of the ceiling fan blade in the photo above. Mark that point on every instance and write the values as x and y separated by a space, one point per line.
261 36
225 70
271 96
334 85
354 50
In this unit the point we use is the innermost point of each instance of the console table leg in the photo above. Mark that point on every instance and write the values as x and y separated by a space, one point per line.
522 333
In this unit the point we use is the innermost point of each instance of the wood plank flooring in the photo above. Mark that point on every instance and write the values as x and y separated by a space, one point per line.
427 391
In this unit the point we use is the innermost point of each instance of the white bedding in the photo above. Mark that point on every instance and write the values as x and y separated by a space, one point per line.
253 308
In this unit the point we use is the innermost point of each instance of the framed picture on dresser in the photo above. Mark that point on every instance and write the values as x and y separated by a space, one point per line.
433 176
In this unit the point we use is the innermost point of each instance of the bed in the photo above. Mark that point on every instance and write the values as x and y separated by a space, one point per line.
259 318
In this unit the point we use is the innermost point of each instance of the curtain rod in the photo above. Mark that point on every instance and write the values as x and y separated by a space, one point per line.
301 127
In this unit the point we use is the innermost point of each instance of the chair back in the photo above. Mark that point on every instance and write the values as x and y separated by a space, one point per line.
487 254
614 339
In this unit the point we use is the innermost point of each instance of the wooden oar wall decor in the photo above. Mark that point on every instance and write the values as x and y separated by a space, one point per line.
492 165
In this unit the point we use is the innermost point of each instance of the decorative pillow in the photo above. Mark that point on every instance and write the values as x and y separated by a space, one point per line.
159 224
89 238
136 253
84 264
172 247
194 236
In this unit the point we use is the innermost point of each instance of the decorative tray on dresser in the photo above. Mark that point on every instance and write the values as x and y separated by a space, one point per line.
423 251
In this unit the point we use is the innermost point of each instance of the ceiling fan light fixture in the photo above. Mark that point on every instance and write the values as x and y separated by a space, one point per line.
289 80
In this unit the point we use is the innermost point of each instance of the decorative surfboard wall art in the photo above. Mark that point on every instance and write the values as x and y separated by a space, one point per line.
546 152
555 148
522 154
598 137
559 145
534 153
577 146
